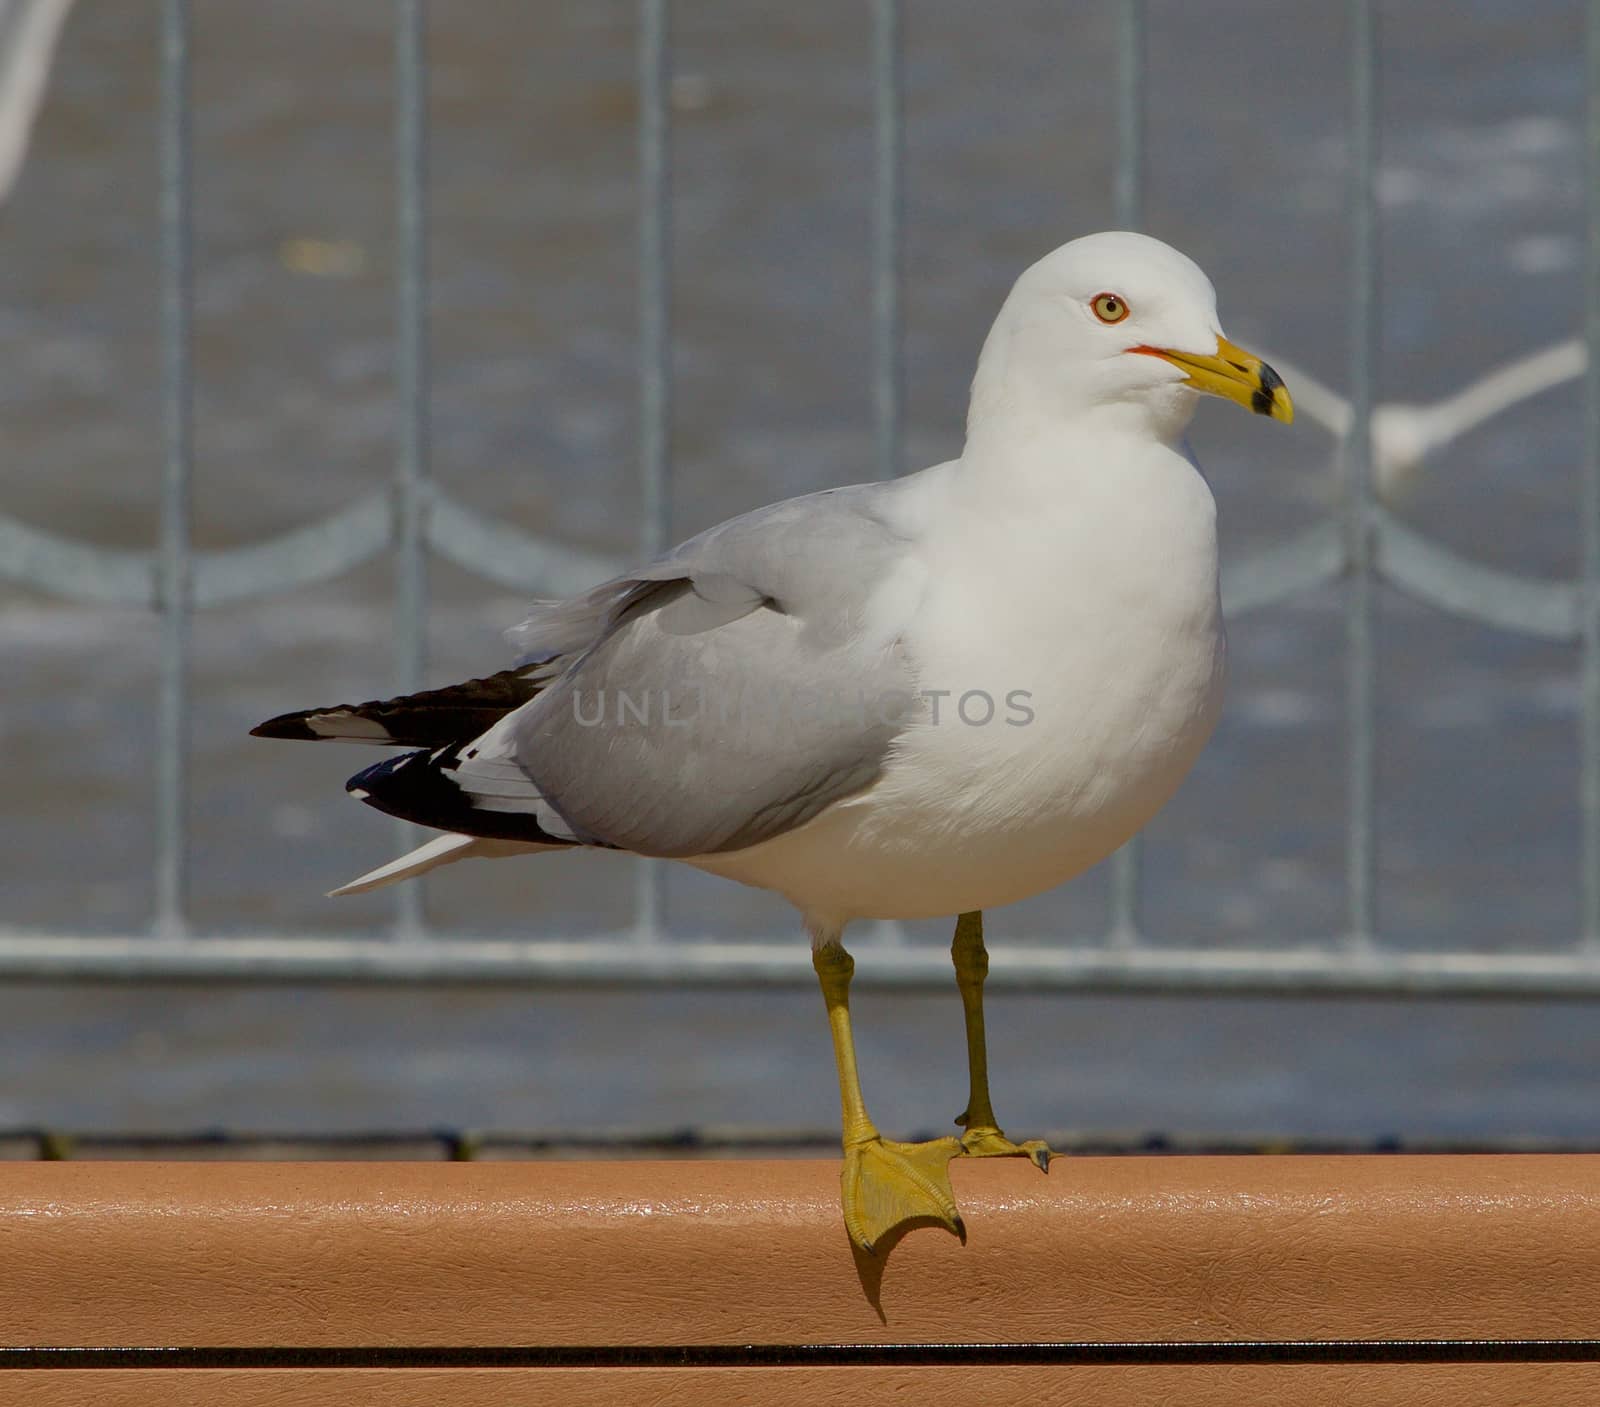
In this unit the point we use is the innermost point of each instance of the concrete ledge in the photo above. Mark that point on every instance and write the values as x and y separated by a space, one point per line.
597 1258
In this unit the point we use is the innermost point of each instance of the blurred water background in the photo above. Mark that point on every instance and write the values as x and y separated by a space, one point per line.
1009 151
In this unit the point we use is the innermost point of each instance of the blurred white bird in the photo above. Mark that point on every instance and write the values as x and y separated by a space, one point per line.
28 33
1404 435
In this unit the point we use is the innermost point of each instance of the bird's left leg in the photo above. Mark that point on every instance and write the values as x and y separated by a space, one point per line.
983 1138
883 1183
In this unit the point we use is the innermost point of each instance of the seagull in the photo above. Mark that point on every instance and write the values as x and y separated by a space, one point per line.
897 700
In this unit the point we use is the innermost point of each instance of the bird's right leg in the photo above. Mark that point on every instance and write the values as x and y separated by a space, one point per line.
884 1183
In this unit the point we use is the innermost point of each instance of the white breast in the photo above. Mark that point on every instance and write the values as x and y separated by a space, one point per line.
1072 646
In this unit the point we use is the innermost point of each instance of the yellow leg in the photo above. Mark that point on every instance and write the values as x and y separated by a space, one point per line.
983 1138
884 1183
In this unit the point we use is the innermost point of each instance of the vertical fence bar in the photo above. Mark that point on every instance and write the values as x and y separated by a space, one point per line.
655 350
1589 741
1359 664
887 206
1129 179
888 328
1128 863
177 406
411 384
655 257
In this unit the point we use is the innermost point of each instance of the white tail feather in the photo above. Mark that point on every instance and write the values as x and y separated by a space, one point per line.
442 850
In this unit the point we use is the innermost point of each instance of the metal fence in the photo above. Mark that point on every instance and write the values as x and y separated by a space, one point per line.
1361 545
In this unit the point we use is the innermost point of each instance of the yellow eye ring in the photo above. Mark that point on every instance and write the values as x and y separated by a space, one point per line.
1108 307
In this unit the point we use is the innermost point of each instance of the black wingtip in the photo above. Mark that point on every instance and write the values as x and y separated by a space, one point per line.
286 725
419 786
433 718
407 787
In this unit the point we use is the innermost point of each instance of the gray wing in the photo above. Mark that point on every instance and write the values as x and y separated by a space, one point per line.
724 694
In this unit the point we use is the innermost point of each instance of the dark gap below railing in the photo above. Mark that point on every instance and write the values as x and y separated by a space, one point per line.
928 1355
29 1143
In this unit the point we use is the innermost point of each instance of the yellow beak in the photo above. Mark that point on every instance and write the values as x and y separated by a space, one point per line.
1235 375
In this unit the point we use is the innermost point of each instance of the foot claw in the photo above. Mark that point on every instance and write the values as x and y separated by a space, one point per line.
991 1143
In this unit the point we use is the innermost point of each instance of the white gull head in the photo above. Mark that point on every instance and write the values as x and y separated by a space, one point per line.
1114 330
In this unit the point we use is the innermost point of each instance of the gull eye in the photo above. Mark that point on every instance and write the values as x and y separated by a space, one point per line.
1108 307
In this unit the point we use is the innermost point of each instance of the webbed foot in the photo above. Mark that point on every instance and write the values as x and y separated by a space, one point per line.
887 1183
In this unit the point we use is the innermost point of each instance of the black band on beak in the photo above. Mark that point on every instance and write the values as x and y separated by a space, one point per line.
1262 398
